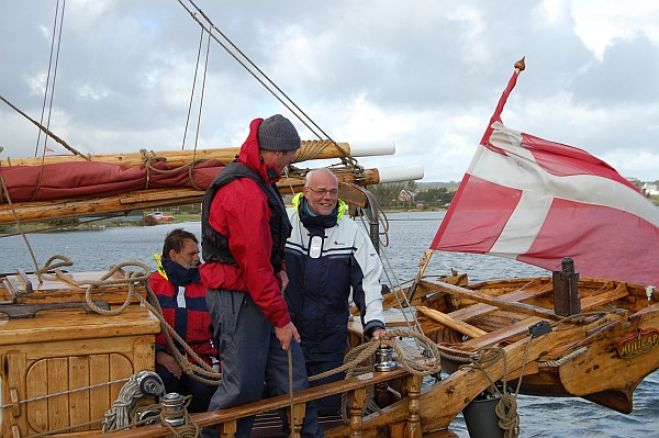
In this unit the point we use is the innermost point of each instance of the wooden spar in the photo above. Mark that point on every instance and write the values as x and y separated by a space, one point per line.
481 297
423 265
145 199
311 149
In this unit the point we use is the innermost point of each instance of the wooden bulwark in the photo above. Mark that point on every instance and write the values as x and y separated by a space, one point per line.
230 415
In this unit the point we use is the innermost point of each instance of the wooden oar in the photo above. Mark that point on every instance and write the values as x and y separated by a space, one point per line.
527 309
455 324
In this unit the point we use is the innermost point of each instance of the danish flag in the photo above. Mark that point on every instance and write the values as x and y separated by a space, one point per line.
538 201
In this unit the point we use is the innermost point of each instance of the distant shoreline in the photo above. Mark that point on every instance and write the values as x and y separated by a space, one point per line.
113 222
98 225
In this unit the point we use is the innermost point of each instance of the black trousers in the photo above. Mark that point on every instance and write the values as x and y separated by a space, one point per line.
251 358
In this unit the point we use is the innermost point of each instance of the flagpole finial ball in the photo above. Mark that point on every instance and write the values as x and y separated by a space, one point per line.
520 65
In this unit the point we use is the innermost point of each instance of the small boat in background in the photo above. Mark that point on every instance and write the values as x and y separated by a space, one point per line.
157 217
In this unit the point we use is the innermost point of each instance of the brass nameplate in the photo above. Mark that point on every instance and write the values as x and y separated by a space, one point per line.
637 343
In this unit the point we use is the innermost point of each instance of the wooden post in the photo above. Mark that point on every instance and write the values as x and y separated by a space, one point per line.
396 429
566 289
228 430
357 399
382 395
413 426
298 412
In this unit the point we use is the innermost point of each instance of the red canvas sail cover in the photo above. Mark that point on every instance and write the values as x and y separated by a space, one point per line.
84 179
538 201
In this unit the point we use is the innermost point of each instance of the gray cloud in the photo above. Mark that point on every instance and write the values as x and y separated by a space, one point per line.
426 74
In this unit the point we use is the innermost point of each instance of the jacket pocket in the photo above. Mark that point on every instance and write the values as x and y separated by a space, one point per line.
231 303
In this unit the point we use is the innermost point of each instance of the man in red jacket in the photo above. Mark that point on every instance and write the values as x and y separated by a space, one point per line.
181 295
244 230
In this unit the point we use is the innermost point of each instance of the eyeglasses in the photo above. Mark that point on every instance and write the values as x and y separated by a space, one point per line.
323 192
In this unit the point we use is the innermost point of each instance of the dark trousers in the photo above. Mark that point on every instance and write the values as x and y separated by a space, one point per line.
329 405
201 392
252 356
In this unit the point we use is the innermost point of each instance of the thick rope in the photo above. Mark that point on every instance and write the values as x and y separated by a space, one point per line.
313 148
118 416
568 357
506 409
203 373
149 160
291 422
199 370
365 351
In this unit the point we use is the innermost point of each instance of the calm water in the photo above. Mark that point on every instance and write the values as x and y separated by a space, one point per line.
409 234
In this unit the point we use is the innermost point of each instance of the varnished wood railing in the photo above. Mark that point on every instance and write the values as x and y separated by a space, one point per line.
226 419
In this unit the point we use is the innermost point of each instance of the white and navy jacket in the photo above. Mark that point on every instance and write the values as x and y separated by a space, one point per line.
343 261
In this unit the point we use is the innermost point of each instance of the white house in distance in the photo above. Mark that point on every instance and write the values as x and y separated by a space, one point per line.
651 189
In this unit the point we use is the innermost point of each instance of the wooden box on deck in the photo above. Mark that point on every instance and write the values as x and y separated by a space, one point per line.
59 351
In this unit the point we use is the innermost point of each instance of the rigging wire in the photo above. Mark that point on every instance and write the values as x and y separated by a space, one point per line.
194 85
37 186
394 281
50 65
5 189
201 98
51 134
239 56
52 88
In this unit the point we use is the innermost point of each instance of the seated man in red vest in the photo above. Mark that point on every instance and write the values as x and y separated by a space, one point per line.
183 301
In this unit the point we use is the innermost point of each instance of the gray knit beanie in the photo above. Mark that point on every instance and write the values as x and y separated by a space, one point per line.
277 133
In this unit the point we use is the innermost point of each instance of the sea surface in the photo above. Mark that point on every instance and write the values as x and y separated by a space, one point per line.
409 234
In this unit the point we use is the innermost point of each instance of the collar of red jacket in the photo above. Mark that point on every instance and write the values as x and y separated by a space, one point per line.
249 154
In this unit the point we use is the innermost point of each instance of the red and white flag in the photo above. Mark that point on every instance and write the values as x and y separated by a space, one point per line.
538 201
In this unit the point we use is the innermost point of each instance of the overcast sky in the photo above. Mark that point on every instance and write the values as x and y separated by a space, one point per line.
423 74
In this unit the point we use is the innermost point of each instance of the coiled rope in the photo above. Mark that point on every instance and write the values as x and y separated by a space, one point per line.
506 409
119 415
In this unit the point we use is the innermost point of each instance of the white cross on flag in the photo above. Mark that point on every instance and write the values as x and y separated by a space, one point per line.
538 201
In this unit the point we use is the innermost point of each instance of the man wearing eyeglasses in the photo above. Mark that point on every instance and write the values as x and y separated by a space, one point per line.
328 257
